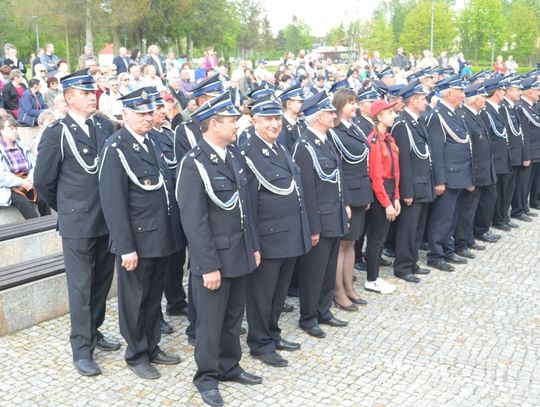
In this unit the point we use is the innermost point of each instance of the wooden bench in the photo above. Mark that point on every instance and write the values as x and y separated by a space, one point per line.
27 227
32 270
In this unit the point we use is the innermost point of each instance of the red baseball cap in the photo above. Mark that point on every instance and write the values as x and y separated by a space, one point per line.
380 105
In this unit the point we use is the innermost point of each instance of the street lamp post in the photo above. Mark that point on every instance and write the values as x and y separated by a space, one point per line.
432 18
37 31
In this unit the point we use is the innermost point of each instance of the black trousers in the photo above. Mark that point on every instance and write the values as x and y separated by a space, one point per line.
89 273
139 307
174 290
29 210
465 218
410 225
534 186
317 278
506 184
441 224
266 292
486 209
376 236
358 255
191 311
520 200
219 319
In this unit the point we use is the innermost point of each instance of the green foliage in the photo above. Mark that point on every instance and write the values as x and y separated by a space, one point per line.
381 36
294 37
523 29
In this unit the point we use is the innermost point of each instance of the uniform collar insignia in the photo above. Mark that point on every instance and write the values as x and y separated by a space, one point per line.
136 146
265 152
213 158
73 125
317 142
98 124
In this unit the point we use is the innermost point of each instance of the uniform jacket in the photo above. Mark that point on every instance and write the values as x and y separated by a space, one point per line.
452 161
182 142
519 145
356 176
325 201
62 182
218 239
246 135
139 220
164 139
281 220
483 168
364 124
290 133
416 174
499 145
530 123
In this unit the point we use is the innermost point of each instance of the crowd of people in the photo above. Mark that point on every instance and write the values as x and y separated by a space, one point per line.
274 185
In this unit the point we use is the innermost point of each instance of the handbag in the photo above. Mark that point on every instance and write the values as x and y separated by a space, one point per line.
30 194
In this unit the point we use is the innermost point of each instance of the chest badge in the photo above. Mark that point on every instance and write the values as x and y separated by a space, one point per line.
136 147
265 152
213 158
317 142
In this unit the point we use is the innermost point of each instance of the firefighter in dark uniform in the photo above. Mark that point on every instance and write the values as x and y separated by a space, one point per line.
137 202
500 145
483 175
216 215
530 121
280 217
66 177
326 199
163 137
451 156
416 182
261 91
291 129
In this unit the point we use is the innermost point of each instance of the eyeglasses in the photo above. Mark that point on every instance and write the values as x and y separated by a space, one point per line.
125 80
43 71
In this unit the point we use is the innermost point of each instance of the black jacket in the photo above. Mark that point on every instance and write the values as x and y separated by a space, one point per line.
518 144
290 133
499 144
10 96
530 123
65 185
182 142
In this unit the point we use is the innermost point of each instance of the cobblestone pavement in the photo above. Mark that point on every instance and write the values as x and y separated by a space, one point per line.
470 338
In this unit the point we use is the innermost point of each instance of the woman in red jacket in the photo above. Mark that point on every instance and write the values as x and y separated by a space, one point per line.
384 174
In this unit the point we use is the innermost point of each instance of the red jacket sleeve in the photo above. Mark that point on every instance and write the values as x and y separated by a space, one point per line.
376 171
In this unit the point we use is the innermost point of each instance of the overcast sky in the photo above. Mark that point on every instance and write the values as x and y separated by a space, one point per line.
321 15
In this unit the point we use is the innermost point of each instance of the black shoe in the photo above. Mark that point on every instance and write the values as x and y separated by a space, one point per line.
107 345
162 358
351 308
87 367
360 266
145 371
293 292
358 301
421 271
504 227
389 253
485 237
523 217
212 398
246 378
465 253
315 331
424 246
243 330
287 345
165 328
177 312
531 214
191 340
287 308
441 265
333 321
272 359
476 246
386 262
409 277
513 225
493 235
455 259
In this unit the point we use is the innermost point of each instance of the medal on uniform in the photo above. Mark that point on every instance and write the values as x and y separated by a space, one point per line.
136 146
265 152
147 182
213 158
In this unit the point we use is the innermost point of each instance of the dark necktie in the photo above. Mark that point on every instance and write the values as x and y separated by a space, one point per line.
148 145
389 147
91 130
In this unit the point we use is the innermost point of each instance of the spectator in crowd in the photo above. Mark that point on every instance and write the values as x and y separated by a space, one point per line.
210 58
428 61
261 71
101 82
88 53
511 65
499 66
12 92
156 60
11 58
171 108
224 76
200 72
60 106
412 61
443 59
247 82
109 103
53 89
63 69
111 71
122 60
135 78
239 70
44 119
376 62
172 65
319 84
150 76
90 64
16 173
4 76
135 57
41 75
186 84
123 80
175 89
31 104
50 60
37 59
466 71
400 60
354 80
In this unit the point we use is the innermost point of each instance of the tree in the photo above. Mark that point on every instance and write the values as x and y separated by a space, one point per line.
481 23
336 36
523 31
380 36
294 37
416 34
